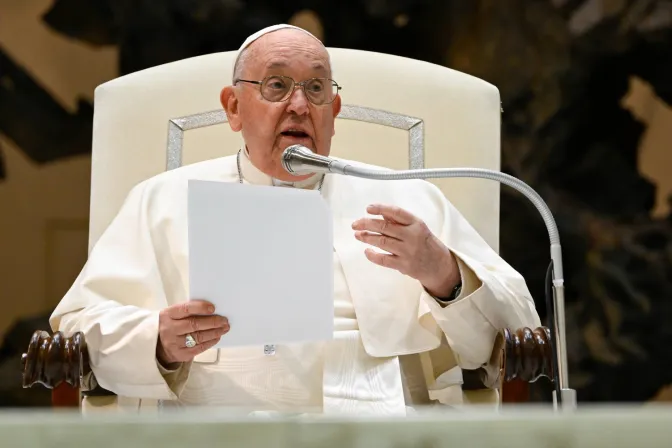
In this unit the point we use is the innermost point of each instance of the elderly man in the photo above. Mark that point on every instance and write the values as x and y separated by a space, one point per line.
419 296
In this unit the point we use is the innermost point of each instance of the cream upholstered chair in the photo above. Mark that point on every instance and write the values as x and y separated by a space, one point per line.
397 112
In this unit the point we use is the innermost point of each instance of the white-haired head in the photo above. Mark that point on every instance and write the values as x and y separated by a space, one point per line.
268 123
243 50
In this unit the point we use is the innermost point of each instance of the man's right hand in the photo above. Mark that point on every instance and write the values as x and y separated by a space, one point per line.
194 317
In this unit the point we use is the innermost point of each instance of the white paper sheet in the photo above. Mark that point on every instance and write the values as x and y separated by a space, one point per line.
264 257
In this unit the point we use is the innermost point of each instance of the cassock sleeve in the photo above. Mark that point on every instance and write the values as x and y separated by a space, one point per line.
115 302
493 296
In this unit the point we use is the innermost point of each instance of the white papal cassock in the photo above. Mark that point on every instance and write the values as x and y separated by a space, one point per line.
394 345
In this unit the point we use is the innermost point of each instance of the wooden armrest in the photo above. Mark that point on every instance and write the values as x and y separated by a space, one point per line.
59 363
528 354
53 359
56 360
524 356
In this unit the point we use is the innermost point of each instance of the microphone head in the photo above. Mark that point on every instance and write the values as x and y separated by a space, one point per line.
289 154
297 159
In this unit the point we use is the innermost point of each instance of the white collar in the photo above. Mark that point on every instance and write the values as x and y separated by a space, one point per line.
254 175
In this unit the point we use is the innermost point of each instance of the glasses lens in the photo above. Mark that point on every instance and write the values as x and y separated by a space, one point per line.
316 91
321 90
276 88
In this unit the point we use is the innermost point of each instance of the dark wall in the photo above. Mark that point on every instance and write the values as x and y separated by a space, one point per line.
564 132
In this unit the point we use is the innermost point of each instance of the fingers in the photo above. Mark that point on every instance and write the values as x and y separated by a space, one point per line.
190 308
382 226
203 337
194 324
385 260
384 242
392 213
189 353
195 318
172 347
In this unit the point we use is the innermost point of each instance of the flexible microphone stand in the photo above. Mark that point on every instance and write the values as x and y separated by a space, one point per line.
298 159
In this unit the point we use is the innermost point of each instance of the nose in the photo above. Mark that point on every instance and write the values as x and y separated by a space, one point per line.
297 102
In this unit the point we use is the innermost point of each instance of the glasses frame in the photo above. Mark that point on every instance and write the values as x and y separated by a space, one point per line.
301 84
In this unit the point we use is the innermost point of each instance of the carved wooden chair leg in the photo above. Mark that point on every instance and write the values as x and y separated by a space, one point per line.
65 396
515 391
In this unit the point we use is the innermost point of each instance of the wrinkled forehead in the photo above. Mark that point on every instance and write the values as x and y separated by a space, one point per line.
271 57
285 48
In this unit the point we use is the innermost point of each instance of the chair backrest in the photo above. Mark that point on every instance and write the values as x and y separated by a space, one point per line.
397 112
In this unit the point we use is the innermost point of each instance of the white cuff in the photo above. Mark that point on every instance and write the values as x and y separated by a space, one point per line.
470 283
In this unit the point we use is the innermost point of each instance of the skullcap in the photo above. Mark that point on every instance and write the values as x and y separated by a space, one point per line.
267 30
271 29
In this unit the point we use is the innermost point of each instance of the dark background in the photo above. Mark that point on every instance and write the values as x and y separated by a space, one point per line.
562 73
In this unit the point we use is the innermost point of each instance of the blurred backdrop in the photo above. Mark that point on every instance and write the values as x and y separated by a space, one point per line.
586 88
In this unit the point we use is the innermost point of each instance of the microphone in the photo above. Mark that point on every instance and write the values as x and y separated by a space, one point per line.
298 159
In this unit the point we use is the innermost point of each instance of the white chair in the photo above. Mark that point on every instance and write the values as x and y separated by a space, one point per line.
397 112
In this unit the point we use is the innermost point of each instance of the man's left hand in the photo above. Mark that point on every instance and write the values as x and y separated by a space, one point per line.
413 249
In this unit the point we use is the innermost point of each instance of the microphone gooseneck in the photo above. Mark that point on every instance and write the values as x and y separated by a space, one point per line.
298 159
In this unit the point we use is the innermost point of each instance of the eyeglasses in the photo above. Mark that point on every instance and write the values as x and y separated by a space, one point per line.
319 91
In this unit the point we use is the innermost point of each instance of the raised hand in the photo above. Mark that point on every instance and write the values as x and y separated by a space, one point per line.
412 248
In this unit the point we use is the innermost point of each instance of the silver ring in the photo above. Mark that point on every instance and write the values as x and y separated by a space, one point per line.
190 342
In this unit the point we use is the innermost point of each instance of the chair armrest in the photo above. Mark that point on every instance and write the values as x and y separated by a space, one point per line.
52 360
56 360
527 354
523 356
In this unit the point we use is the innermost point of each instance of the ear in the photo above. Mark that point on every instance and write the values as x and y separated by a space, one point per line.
230 104
336 109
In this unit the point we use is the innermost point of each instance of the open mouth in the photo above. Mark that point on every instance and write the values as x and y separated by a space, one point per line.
295 134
